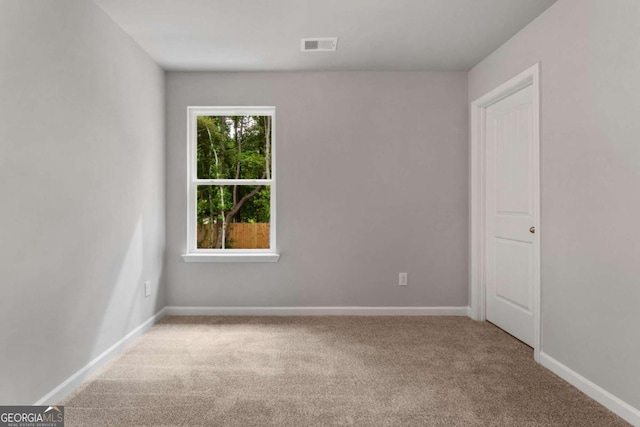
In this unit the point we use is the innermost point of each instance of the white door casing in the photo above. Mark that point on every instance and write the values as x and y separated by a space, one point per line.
505 204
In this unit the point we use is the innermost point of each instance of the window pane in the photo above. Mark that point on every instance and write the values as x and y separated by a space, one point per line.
234 147
233 216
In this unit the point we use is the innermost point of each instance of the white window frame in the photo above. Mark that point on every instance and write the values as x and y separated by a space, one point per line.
226 255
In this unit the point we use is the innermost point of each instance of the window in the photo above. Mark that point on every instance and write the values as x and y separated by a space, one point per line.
231 179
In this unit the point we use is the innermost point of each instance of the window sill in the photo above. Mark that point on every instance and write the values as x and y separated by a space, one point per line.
245 257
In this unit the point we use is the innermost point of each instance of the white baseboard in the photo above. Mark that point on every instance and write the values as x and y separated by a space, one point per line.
58 393
316 311
594 391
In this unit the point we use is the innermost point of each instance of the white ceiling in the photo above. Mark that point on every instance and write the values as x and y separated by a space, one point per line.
375 35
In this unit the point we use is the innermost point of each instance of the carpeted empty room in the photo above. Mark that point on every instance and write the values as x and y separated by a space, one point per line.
319 213
339 370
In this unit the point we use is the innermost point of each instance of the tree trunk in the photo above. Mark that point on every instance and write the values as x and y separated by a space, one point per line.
239 131
211 210
267 148
219 225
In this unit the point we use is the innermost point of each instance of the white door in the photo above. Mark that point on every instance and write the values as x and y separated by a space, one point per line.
512 266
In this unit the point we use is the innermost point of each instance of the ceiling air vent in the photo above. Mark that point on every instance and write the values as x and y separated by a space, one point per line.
325 44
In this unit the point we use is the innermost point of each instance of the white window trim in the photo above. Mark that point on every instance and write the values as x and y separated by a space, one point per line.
194 254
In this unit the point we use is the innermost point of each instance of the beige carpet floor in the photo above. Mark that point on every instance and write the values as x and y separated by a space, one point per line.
325 371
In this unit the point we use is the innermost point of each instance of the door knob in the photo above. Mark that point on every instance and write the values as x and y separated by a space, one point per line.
532 230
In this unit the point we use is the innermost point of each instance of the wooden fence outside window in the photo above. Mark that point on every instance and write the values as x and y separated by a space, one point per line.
240 235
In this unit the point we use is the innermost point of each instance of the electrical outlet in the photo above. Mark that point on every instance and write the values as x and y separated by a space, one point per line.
147 288
403 280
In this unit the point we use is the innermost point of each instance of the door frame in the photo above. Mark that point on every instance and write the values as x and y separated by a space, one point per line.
477 202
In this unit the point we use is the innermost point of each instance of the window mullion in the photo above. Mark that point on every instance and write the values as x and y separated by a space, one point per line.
233 181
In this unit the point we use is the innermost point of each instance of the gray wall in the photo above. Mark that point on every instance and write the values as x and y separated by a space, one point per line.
590 59
82 184
372 180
